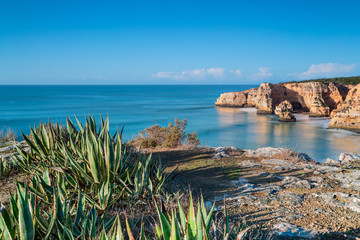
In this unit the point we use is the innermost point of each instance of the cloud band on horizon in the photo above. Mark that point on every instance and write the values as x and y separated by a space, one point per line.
327 70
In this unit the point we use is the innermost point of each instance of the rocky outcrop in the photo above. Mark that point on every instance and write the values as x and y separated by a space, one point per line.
290 231
348 157
264 99
284 110
314 97
319 108
232 99
347 115
340 102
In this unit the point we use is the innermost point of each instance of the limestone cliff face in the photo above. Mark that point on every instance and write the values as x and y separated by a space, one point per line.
341 102
316 98
264 99
347 115
319 108
232 99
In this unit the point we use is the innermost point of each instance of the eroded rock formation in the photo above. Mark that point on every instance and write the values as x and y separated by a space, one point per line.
341 102
284 110
319 108
347 115
233 99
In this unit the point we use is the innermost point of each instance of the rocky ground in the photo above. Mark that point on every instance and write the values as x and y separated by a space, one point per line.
285 192
277 188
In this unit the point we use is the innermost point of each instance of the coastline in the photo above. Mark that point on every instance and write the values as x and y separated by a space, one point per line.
340 102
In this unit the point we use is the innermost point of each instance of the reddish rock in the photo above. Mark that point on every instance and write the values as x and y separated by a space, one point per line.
314 97
264 99
341 102
319 108
347 115
232 99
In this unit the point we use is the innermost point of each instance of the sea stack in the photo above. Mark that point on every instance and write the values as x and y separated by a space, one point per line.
284 110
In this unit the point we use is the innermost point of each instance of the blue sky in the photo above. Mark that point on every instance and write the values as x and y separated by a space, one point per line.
177 42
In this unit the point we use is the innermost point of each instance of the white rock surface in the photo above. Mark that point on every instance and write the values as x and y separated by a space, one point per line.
290 181
220 153
249 164
292 231
332 162
340 199
265 151
346 157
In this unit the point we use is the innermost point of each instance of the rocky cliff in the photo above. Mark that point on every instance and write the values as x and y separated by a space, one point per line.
316 98
347 115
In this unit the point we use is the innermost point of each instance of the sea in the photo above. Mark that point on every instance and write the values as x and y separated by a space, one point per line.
140 106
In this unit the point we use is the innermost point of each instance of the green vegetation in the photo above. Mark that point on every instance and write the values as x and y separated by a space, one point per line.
7 138
172 136
337 80
233 173
92 160
75 219
197 225
78 178
6 168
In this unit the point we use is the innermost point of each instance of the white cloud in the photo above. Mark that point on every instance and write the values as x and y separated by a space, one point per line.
196 73
237 72
189 74
216 72
264 72
328 69
163 74
172 75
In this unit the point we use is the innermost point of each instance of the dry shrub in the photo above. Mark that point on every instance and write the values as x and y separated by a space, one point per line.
172 136
8 135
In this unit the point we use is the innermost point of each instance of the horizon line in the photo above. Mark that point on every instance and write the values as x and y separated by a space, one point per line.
145 84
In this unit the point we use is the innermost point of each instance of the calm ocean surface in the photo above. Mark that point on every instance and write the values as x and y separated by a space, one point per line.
142 106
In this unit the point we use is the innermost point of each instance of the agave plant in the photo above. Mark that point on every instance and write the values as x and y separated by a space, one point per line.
201 225
66 219
77 173
7 166
3 168
73 218
196 225
90 158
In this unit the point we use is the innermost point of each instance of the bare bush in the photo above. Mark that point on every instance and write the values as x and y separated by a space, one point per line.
8 135
172 136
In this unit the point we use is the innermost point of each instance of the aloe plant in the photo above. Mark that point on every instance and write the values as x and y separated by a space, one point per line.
90 158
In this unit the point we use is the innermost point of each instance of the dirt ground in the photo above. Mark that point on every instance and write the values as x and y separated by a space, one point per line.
216 180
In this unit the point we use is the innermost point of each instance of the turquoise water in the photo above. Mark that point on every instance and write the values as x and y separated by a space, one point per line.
142 106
